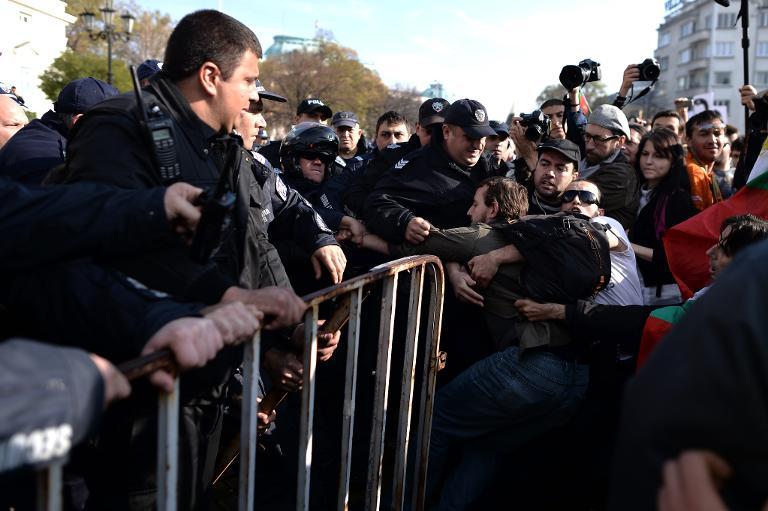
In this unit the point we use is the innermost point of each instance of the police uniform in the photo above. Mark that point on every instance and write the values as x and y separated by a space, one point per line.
427 184
372 167
246 256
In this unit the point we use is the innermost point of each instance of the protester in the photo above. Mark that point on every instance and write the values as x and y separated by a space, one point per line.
664 202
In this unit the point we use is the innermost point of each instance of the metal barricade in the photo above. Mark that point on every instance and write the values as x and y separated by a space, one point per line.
49 488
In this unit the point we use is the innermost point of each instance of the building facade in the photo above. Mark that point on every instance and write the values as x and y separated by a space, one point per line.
32 36
699 51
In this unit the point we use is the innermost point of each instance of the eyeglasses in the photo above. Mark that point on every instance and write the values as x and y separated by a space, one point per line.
598 140
584 196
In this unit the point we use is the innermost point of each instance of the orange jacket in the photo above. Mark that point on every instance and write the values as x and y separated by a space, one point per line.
704 189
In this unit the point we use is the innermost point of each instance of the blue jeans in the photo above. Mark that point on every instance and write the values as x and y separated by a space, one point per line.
493 408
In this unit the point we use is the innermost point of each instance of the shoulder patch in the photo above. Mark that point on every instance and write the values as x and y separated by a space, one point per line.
341 161
280 188
393 146
402 163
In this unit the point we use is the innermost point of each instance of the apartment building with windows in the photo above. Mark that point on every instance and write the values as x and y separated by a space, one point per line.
699 51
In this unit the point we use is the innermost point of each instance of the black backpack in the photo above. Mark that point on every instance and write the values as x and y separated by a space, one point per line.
567 256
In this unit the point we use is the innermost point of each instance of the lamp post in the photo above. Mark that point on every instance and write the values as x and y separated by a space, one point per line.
109 32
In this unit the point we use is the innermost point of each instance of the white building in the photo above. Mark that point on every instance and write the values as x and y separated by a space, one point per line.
32 36
699 51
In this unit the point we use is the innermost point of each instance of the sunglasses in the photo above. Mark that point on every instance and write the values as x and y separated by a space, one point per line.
312 156
584 196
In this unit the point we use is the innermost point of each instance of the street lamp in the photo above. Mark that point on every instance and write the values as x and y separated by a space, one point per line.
109 32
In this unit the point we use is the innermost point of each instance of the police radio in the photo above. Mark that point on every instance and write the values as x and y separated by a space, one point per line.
158 129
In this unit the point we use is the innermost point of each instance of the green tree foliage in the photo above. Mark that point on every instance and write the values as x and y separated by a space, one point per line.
332 73
71 66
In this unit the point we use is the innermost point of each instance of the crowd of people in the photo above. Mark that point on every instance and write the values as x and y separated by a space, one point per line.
164 220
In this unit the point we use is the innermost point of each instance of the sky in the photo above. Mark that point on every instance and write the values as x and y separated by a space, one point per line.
499 53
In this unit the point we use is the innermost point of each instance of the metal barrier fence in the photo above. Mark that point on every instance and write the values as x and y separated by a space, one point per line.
49 488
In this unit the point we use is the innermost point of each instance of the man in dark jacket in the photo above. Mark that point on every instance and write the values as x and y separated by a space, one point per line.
42 144
606 166
435 184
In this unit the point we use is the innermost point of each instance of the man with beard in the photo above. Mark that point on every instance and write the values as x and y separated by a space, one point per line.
556 168
606 165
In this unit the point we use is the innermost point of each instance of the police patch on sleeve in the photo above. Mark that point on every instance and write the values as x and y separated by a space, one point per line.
402 163
280 188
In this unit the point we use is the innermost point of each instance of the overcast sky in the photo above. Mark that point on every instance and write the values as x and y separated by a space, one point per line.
501 54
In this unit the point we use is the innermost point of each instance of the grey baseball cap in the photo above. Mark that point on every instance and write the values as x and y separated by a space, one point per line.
610 117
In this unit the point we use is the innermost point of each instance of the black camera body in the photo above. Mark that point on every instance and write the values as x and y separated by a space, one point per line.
536 125
577 76
649 70
216 214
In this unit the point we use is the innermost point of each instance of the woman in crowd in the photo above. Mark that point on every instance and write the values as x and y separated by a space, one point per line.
664 202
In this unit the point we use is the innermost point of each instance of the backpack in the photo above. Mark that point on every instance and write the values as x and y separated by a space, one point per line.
567 256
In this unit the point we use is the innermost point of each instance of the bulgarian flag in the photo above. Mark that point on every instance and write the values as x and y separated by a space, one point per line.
658 324
686 243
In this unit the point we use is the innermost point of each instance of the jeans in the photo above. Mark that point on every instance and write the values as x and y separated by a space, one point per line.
494 407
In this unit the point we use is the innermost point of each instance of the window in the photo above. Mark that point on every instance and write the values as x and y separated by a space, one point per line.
722 78
726 20
682 83
664 63
664 39
724 49
708 22
685 56
762 49
723 102
763 19
687 28
761 78
25 17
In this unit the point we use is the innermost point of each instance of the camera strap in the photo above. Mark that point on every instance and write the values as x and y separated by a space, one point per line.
642 92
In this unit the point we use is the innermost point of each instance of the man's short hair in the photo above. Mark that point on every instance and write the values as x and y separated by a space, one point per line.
511 197
667 113
731 130
390 117
582 180
706 116
207 36
552 102
745 230
639 128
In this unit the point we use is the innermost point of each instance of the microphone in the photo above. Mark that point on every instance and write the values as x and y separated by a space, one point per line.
724 3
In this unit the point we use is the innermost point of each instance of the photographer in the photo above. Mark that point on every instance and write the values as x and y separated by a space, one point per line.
647 71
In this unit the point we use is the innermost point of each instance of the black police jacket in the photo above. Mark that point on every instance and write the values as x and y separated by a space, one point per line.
37 148
426 183
45 225
96 155
373 166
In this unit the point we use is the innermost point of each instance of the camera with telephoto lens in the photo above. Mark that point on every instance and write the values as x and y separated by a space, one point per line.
577 76
649 70
536 125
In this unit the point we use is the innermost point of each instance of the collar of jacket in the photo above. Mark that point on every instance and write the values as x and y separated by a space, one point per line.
52 120
199 134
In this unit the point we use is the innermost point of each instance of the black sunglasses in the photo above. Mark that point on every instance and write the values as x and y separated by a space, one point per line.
311 156
585 196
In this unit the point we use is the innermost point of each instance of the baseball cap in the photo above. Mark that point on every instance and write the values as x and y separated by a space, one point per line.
311 105
5 90
79 95
147 68
265 94
432 111
344 119
471 116
610 117
501 129
562 146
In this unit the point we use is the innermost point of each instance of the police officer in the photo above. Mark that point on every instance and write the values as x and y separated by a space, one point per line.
309 110
435 184
208 77
378 162
497 150
42 144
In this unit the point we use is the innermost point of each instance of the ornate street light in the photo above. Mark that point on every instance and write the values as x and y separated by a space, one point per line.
110 31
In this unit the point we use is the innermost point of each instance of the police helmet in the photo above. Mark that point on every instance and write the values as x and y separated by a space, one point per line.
308 140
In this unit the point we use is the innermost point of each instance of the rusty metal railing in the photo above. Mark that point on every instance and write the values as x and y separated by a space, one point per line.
49 488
